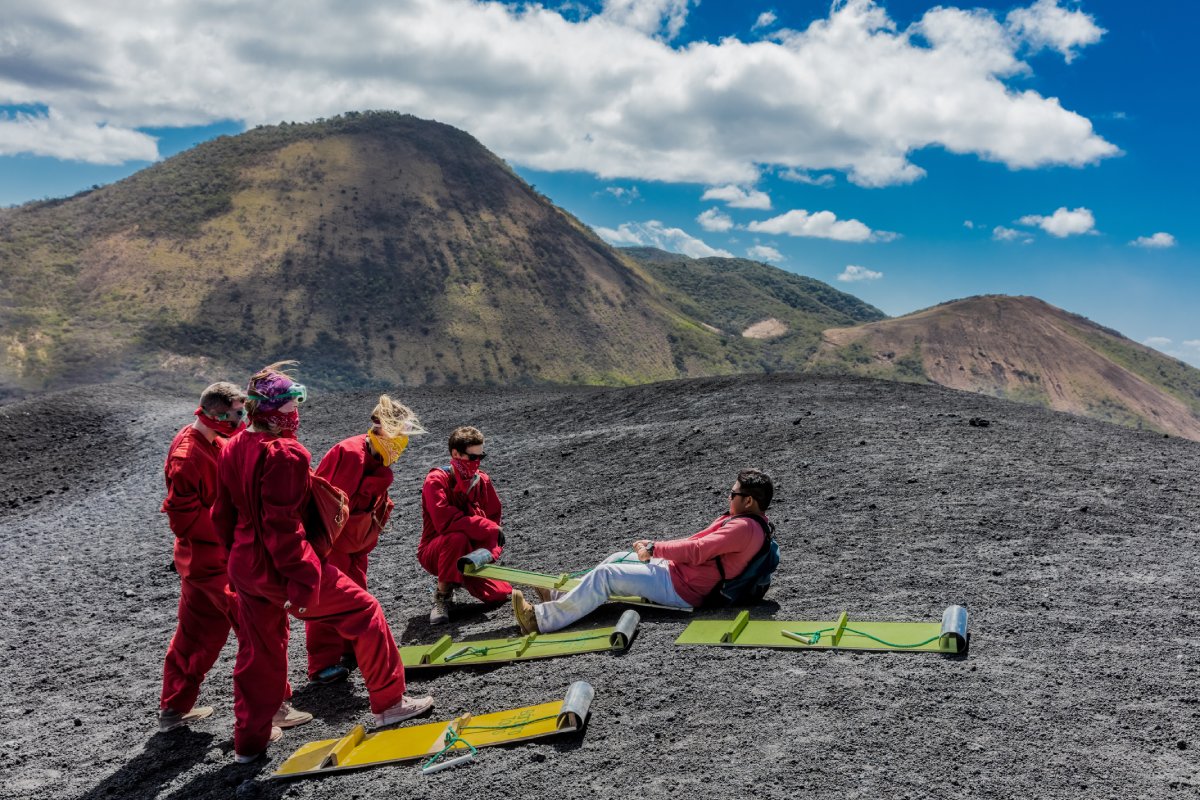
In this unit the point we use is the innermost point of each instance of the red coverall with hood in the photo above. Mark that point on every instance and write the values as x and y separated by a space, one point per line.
456 519
270 563
350 467
206 606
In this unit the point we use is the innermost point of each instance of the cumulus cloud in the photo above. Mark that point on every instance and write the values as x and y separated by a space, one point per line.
1158 240
1047 25
1003 234
819 225
51 134
1157 342
765 20
605 93
1062 223
714 220
653 17
736 197
626 194
853 273
653 233
762 252
968 224
804 176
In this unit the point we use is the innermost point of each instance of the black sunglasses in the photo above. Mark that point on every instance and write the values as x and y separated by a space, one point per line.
475 456
740 494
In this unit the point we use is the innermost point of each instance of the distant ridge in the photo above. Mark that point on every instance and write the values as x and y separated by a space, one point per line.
1024 349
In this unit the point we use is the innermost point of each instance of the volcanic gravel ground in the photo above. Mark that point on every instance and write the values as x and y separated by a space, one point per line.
1073 544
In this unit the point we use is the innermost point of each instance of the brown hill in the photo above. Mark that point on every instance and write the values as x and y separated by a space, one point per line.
1024 349
378 248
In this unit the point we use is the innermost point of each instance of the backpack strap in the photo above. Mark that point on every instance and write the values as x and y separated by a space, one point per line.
768 535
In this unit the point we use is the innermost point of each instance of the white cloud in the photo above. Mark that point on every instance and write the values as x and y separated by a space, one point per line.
1046 24
765 20
968 224
603 93
736 197
625 194
852 273
803 176
762 252
654 17
1003 234
819 225
714 220
1158 240
1062 223
653 233
1157 342
51 134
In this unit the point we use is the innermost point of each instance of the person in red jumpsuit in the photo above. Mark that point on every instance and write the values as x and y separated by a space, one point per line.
207 606
360 466
263 487
460 512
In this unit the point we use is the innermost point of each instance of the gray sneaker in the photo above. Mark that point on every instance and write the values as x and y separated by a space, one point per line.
169 720
288 717
440 614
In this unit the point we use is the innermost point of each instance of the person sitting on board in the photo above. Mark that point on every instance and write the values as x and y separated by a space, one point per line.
679 573
264 485
360 466
460 512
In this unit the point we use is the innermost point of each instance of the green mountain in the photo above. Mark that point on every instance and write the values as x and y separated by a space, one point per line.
379 249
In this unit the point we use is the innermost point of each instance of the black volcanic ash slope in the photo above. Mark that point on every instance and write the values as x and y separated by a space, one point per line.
1073 542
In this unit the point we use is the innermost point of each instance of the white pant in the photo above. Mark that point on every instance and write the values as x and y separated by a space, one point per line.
631 578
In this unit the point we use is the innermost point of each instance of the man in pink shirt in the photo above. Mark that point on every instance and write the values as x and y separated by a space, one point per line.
679 572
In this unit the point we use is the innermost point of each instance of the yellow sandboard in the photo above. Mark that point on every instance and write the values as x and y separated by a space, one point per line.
360 749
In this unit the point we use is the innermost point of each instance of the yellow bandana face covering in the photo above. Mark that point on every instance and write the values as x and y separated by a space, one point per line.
389 449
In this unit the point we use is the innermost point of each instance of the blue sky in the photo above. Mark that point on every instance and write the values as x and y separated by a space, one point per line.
905 153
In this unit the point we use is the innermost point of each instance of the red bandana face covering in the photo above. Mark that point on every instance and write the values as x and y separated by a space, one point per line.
466 470
287 424
225 427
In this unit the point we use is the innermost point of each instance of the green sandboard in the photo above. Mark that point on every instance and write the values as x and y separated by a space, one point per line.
563 582
445 652
948 637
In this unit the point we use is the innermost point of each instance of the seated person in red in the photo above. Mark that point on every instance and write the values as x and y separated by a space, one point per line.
360 466
264 486
460 512
679 572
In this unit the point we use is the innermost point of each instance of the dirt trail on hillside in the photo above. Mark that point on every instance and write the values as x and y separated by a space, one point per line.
1072 542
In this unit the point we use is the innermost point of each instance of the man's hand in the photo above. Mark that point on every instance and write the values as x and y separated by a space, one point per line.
287 604
640 549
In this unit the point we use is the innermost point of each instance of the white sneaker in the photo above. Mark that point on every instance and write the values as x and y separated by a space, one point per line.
407 708
288 717
276 735
169 720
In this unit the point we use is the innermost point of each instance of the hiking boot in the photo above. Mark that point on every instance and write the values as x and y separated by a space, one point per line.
332 674
169 720
440 614
250 758
407 708
523 611
350 661
288 717
544 595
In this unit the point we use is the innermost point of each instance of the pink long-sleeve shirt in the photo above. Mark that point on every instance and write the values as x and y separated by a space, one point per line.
693 564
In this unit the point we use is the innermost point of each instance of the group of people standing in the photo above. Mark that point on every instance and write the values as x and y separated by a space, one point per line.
238 490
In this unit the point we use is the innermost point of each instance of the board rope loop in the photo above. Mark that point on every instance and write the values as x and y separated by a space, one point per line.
813 637
454 736
483 651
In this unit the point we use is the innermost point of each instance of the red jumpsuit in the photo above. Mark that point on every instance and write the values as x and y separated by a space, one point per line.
350 466
206 606
270 562
453 523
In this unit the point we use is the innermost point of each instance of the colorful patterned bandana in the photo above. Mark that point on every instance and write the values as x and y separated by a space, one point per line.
389 449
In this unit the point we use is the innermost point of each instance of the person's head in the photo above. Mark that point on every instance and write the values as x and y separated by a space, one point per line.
466 444
274 397
222 408
391 425
751 492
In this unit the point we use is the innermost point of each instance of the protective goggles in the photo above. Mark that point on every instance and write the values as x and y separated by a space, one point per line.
296 391
228 415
